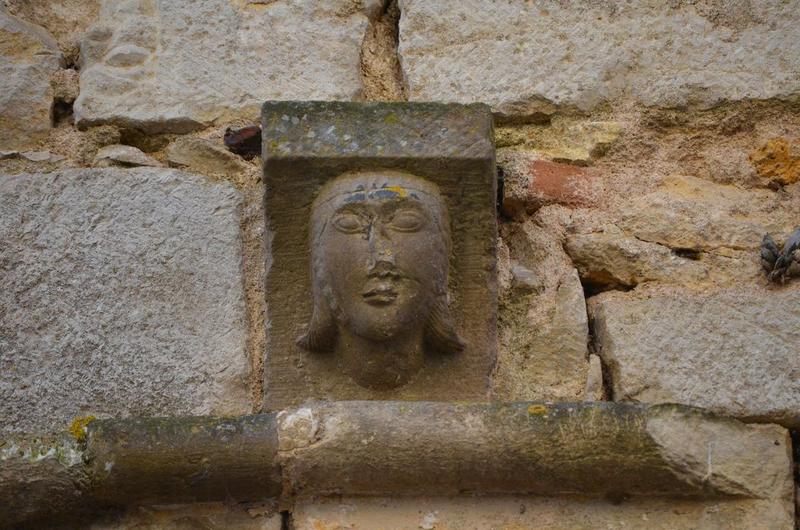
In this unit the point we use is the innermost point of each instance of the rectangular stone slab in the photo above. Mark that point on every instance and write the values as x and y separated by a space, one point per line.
308 143
121 295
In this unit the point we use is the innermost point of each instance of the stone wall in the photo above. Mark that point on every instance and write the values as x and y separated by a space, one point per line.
645 149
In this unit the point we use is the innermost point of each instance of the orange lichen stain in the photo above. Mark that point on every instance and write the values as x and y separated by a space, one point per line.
537 410
774 162
78 427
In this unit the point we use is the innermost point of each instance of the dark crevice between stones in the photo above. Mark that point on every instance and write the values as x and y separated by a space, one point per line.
500 195
286 521
594 348
600 282
61 112
381 72
687 253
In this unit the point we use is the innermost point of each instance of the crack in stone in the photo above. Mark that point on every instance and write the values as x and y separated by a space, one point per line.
382 74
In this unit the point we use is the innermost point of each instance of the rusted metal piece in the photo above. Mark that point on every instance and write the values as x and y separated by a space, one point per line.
245 142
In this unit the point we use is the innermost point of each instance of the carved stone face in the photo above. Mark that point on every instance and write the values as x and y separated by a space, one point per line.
380 263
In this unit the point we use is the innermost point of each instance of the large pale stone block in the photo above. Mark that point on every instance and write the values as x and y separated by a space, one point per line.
122 294
29 56
175 66
734 352
522 57
687 212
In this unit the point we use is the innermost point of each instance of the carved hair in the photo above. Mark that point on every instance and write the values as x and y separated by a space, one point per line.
321 332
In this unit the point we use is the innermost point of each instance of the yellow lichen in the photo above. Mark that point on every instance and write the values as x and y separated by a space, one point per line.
78 427
537 410
774 161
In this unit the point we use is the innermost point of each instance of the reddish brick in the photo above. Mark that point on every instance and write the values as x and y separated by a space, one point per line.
531 184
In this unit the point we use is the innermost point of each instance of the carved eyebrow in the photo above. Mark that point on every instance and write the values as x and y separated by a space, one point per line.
404 203
352 207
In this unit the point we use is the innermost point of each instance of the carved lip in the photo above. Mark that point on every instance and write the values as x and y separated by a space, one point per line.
381 294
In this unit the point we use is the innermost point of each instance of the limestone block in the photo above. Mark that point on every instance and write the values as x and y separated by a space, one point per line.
29 56
691 213
734 351
66 20
205 156
122 294
548 361
521 57
613 260
123 155
176 66
536 513
543 328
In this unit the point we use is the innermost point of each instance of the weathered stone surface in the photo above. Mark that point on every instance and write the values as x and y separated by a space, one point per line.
177 460
530 183
543 323
443 151
122 294
40 478
594 380
775 162
610 259
66 20
654 53
550 360
205 516
41 156
29 56
123 155
204 156
691 213
536 513
393 448
563 139
734 352
177 66
599 450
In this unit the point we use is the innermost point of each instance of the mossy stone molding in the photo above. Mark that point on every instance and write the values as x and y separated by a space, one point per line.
382 283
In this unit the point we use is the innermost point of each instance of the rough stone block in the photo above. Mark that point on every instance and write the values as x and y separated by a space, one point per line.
536 513
523 57
449 149
734 352
543 325
610 259
122 294
208 516
29 56
179 65
691 213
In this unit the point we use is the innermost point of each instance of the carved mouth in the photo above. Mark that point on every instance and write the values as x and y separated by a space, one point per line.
381 294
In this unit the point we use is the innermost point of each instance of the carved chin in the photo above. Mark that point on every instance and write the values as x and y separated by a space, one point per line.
382 323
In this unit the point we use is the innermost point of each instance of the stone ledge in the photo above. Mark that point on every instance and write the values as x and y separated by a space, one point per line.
597 450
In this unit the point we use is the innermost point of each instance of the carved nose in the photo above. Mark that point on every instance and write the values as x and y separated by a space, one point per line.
380 246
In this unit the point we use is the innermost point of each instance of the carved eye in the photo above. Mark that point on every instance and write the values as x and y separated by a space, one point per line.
407 221
349 223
